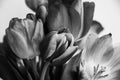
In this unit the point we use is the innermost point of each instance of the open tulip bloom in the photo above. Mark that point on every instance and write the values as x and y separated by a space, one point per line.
59 42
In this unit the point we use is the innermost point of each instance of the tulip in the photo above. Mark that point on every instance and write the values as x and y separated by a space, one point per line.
75 15
57 46
24 36
100 59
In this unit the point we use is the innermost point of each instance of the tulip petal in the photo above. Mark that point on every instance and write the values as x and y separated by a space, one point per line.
59 51
18 44
30 16
44 46
88 16
75 22
41 13
29 26
16 25
86 43
38 31
33 4
57 18
96 27
70 39
61 40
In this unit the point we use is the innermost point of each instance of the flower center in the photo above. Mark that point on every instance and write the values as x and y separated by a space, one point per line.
99 72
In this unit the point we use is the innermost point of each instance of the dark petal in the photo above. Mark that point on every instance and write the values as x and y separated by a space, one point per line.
45 43
96 27
70 71
88 8
74 24
32 4
57 17
41 13
30 16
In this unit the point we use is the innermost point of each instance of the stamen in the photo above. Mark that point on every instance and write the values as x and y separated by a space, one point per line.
98 72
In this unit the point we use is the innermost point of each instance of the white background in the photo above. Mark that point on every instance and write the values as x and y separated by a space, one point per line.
106 11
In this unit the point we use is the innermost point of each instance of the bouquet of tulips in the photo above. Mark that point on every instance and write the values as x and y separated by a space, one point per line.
58 41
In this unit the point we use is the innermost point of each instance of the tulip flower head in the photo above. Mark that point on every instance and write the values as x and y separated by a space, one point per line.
58 46
24 37
100 60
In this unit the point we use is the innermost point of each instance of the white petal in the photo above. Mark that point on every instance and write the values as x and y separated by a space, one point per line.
99 47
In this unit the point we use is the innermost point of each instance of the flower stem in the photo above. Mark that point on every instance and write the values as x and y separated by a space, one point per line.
44 70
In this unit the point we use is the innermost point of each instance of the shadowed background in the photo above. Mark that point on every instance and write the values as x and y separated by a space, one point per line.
106 11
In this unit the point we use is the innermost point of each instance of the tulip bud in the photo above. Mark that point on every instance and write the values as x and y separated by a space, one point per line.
24 37
57 47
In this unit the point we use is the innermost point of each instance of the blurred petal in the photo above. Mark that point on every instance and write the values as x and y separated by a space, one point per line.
87 43
108 55
100 46
114 62
96 27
